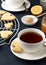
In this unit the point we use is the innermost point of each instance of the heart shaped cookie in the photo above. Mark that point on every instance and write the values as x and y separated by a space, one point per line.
8 25
5 34
16 47
8 17
2 12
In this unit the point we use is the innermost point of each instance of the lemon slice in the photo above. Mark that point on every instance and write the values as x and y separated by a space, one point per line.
36 10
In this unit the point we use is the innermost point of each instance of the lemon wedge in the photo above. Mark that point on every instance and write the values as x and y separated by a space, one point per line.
36 10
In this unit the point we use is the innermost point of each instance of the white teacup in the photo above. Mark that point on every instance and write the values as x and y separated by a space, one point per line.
29 47
14 3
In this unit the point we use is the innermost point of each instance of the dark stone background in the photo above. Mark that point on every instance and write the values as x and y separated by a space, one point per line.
6 57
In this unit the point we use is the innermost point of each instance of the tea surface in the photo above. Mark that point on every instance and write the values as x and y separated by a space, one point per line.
31 37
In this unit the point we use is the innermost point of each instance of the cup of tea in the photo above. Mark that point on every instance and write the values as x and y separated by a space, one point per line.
14 3
31 39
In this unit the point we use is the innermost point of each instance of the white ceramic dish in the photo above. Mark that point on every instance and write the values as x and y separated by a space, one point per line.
22 8
35 19
30 56
14 3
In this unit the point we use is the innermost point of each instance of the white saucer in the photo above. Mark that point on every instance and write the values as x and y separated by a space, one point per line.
30 56
6 7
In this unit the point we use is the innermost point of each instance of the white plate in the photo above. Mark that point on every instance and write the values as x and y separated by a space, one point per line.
35 19
6 7
30 56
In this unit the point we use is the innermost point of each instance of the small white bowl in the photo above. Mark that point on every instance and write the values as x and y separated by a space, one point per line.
35 20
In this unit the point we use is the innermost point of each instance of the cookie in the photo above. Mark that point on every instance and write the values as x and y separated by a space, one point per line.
5 34
2 12
8 17
8 25
36 10
16 47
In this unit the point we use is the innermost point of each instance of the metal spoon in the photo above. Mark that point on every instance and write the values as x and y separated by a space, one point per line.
41 14
25 7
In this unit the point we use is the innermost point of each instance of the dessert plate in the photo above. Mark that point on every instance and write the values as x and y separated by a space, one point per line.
22 8
30 56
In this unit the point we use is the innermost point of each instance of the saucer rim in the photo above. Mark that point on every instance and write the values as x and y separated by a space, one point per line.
15 54
16 9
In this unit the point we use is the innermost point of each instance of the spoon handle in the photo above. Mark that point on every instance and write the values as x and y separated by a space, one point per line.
41 14
25 7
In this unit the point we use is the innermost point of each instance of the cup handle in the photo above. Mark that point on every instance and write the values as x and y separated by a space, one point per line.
2 0
44 43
